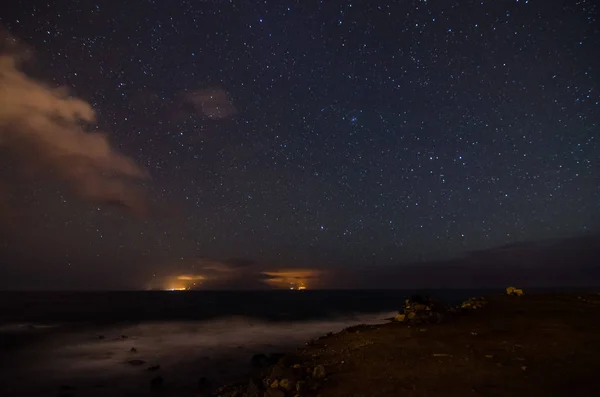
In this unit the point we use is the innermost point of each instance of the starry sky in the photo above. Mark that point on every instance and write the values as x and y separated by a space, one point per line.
231 141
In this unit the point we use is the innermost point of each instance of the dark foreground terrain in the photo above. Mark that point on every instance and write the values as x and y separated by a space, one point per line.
533 345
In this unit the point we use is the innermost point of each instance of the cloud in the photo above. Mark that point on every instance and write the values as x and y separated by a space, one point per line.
42 127
213 103
244 274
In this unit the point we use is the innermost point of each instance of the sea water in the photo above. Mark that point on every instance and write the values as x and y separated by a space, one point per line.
87 343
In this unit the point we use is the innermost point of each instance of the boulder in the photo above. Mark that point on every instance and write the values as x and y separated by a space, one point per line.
286 384
400 317
514 291
419 309
473 303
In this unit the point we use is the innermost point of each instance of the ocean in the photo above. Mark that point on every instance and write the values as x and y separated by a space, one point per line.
103 343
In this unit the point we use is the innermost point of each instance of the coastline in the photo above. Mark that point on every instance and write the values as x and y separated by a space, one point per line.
516 345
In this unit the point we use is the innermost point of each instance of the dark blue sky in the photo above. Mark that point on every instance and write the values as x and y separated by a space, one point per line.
310 134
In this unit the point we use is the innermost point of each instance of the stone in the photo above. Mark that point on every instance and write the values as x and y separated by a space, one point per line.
514 291
133 350
319 372
400 317
473 303
285 384
412 315
274 384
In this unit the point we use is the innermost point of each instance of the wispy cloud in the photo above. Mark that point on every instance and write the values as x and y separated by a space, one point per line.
213 103
42 126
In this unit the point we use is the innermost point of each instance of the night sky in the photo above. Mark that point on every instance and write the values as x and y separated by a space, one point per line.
237 143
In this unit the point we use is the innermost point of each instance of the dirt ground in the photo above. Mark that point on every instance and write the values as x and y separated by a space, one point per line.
533 345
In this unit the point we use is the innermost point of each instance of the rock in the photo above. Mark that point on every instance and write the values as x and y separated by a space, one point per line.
157 382
514 291
154 368
274 393
274 384
286 384
133 350
136 362
412 315
473 303
400 317
319 372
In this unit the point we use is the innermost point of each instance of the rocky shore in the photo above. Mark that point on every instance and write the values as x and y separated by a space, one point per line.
505 345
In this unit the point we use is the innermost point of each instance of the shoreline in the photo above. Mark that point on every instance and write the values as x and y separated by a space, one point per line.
514 345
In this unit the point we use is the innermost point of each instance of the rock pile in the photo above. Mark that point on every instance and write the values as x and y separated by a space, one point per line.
284 379
514 291
419 310
473 303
